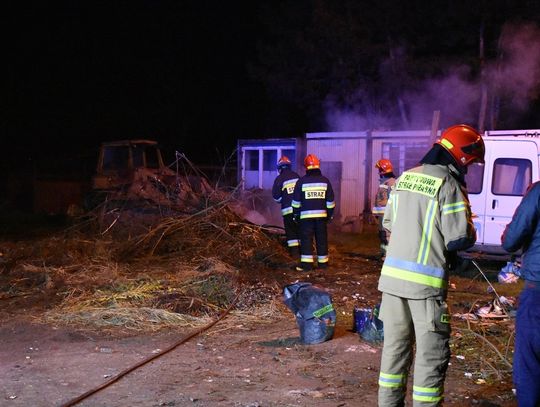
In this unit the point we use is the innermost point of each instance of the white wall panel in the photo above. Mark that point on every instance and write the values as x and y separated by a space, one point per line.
352 153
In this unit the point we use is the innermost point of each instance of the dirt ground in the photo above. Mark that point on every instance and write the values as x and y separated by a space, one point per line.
240 361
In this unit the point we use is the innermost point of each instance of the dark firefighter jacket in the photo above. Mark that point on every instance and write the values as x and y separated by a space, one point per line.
523 232
313 196
283 188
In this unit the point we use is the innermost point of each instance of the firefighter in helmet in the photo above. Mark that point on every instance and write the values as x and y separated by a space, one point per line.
387 179
429 216
313 205
282 192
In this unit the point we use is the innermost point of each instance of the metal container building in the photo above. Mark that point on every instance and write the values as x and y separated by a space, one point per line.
347 159
257 160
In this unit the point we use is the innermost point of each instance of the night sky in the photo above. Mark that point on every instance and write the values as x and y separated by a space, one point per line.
198 75
86 72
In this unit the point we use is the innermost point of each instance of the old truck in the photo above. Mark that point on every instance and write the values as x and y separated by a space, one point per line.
133 171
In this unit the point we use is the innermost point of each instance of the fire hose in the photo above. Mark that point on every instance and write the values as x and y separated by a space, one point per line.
114 379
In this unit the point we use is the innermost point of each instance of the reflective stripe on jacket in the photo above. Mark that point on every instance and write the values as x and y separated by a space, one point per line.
385 186
283 188
428 215
313 196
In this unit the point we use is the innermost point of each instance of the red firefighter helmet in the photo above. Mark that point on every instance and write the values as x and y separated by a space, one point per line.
283 161
311 162
464 143
384 166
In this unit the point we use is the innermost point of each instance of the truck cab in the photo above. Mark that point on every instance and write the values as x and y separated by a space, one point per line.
119 160
497 187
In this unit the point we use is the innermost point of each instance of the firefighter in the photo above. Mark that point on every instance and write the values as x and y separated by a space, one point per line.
429 217
313 205
387 179
282 192
523 232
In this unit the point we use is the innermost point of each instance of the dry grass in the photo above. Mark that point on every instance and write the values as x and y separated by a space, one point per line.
139 318
483 350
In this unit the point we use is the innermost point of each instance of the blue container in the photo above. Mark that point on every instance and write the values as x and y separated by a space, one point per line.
361 318
367 324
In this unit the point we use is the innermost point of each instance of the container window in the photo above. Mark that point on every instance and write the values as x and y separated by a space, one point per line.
404 157
252 160
511 176
291 154
475 178
269 160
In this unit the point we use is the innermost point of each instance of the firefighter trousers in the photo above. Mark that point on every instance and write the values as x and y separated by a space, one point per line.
405 320
309 229
527 348
291 233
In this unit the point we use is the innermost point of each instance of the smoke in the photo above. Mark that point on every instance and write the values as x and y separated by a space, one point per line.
517 73
357 115
454 95
513 77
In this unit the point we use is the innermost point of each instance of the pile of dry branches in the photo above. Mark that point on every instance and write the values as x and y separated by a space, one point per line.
181 270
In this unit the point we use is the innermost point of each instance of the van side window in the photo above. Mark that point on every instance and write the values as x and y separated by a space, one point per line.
475 178
511 176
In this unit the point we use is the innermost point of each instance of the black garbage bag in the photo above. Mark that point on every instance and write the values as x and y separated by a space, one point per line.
315 314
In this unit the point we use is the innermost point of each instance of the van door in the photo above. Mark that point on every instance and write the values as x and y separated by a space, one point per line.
510 168
477 185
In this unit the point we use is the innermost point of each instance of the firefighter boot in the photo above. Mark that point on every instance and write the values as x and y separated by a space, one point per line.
294 252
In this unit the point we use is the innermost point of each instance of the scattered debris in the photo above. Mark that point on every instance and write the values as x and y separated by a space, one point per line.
510 273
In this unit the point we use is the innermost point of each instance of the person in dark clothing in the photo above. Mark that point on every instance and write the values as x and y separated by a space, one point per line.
282 192
313 205
523 232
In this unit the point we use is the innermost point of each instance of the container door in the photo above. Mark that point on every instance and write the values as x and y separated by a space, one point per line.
511 167
333 170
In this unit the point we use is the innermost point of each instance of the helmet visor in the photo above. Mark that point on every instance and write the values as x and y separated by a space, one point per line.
476 149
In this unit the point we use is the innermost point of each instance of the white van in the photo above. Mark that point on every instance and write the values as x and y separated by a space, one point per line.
496 188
